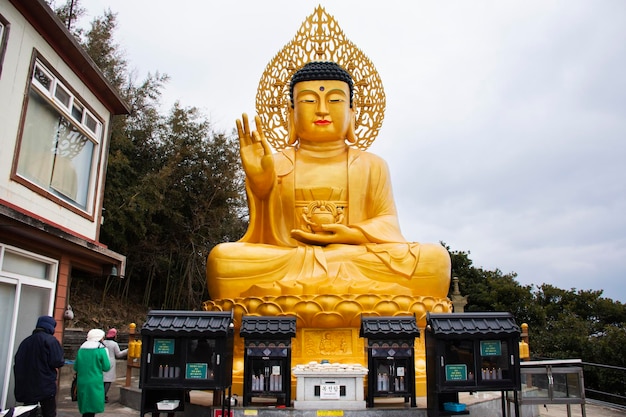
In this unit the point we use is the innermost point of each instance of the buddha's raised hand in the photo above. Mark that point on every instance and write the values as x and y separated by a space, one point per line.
256 156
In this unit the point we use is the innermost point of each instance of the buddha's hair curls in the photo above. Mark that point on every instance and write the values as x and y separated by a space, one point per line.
321 70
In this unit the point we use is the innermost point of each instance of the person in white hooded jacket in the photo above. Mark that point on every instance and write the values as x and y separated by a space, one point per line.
114 353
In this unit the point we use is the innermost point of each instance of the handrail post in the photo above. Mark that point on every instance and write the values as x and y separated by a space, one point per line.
130 361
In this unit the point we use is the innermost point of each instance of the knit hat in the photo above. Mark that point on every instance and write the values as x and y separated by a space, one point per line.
95 335
47 323
111 333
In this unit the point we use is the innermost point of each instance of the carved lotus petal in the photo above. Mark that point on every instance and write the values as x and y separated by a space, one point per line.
328 301
440 308
351 312
404 301
420 313
252 303
210 306
387 308
368 301
269 309
305 311
328 320
429 302
287 302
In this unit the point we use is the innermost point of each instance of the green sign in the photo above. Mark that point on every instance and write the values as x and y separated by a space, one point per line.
456 372
490 348
163 347
196 371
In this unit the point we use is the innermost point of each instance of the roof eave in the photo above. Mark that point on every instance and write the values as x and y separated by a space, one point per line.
39 14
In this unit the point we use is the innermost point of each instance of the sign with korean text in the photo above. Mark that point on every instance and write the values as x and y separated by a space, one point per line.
456 372
490 348
163 347
329 392
196 371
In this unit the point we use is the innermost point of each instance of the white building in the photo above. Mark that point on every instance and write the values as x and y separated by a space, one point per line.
56 109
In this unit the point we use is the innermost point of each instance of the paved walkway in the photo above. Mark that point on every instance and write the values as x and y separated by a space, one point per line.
592 410
67 408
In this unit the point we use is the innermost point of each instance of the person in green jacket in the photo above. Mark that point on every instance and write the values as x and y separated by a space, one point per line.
92 360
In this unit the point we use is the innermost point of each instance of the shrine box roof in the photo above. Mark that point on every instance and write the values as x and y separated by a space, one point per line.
188 323
268 327
396 327
472 324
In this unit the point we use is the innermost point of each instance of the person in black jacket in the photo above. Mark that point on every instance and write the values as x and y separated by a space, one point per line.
36 367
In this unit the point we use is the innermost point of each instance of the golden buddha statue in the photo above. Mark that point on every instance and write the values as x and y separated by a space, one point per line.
322 213
323 243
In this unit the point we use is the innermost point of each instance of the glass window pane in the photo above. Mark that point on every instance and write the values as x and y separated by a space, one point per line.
36 159
459 357
566 385
494 360
44 79
54 153
73 155
91 123
7 302
23 265
34 302
77 112
202 352
540 385
62 95
4 34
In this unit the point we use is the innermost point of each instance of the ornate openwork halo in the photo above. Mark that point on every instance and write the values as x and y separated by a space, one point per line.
320 39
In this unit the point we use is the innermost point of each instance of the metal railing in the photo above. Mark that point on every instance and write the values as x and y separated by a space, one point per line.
606 383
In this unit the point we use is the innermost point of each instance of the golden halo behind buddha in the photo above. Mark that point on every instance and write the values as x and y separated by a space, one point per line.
320 39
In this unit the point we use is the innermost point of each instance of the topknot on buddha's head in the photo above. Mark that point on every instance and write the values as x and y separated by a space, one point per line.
321 70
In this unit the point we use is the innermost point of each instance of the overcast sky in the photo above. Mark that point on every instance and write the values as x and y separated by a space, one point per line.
505 128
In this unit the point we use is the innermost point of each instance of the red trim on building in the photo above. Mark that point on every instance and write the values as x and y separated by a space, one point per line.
46 221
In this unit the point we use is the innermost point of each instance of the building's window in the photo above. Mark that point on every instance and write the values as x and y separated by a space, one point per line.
59 140
30 266
4 36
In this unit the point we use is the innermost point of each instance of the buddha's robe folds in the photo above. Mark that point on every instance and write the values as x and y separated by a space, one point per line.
268 262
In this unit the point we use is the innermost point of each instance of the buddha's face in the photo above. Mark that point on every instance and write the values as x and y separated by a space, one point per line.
321 111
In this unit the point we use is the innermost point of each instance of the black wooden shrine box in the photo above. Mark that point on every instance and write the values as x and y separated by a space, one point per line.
390 357
267 359
184 350
468 352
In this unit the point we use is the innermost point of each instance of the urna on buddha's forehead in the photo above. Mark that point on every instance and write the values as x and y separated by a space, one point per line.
321 70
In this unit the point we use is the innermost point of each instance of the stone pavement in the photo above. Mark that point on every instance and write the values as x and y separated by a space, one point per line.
592 410
67 408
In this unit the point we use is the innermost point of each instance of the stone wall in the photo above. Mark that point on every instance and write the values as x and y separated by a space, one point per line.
73 338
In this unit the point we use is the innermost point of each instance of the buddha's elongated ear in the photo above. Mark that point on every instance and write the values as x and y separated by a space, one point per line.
291 128
351 134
